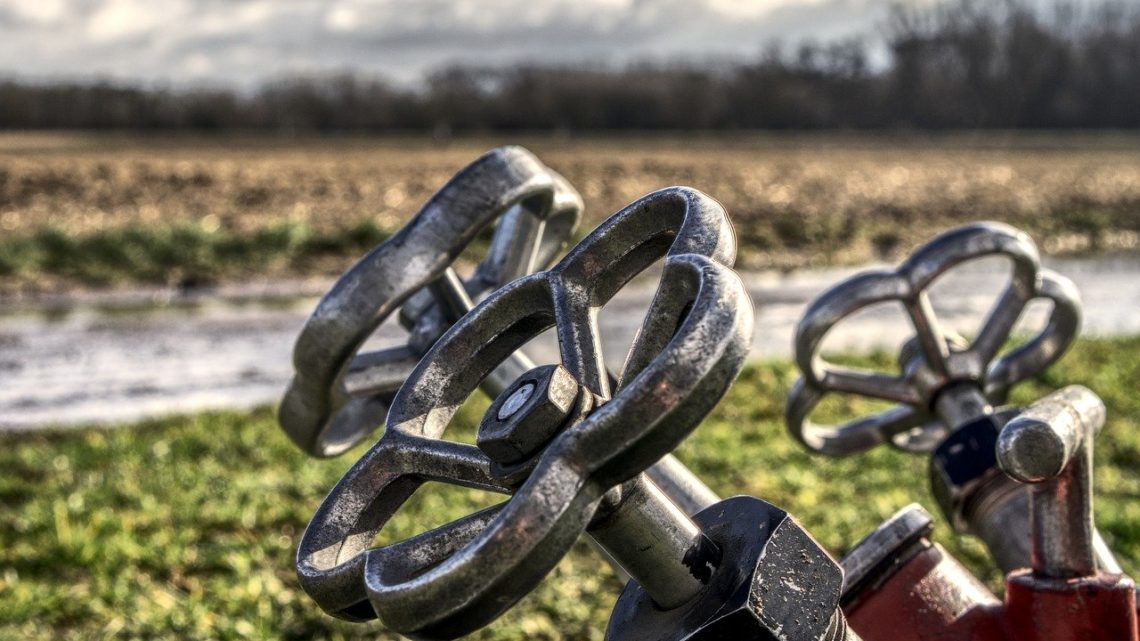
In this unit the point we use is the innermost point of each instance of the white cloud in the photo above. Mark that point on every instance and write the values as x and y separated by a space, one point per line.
342 18
247 41
198 65
747 9
117 19
37 11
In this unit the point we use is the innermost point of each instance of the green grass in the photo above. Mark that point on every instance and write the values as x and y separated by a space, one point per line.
183 254
187 527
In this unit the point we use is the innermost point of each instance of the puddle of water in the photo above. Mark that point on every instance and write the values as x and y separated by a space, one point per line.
106 363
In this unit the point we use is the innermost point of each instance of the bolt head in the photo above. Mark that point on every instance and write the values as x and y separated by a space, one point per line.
515 401
528 414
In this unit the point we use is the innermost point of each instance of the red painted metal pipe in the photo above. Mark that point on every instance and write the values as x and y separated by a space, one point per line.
1095 608
932 597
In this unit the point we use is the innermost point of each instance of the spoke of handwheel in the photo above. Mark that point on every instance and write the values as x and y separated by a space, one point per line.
579 339
514 248
928 330
870 384
449 292
999 324
380 372
383 480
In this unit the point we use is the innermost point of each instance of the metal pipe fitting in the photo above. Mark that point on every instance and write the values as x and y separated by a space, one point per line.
661 548
1050 447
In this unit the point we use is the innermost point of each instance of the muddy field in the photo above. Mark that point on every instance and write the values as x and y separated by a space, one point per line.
111 211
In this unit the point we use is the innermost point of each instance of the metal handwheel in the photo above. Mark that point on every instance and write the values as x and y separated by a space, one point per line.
453 579
937 362
338 396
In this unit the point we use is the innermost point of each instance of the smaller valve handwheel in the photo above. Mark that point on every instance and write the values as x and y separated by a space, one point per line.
938 361
454 579
338 396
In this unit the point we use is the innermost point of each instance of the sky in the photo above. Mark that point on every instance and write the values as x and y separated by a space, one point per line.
244 42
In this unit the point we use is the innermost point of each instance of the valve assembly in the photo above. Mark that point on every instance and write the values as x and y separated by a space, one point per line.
582 451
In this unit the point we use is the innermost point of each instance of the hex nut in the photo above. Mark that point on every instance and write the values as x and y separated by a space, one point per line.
775 583
964 467
528 414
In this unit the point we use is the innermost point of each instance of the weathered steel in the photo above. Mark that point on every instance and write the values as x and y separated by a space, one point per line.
661 547
1064 596
1050 447
338 397
901 586
454 579
948 386
528 414
1100 607
938 364
775 582
872 559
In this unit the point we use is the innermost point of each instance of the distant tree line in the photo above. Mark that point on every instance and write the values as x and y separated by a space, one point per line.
968 63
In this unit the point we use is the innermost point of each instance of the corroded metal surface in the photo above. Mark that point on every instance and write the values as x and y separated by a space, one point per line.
454 579
338 397
903 587
774 582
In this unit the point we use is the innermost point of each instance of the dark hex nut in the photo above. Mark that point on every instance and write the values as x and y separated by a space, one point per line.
964 468
528 414
774 583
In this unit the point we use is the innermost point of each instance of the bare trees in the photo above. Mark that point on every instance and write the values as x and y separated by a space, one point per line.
962 63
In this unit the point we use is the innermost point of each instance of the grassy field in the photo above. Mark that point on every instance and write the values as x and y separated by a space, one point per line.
100 211
186 528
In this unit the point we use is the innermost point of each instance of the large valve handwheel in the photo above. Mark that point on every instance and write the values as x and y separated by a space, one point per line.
338 396
456 578
938 362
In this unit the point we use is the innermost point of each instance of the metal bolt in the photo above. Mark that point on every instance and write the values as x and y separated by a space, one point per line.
515 401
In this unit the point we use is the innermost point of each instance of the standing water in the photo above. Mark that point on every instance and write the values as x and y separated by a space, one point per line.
125 357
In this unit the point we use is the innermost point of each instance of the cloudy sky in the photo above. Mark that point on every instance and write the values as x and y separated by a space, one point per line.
240 42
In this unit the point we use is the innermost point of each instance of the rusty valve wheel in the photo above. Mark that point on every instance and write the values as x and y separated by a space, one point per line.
935 362
580 449
338 396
